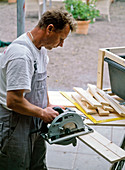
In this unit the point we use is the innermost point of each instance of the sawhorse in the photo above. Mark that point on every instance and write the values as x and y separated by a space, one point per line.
112 54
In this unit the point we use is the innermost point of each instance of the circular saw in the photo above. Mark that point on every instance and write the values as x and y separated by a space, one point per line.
65 127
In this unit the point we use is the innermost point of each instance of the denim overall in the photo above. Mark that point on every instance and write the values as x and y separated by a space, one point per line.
19 149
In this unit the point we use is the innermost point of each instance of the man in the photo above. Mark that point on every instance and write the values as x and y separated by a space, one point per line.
24 102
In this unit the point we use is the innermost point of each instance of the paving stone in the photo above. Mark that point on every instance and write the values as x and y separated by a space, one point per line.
63 160
88 162
67 148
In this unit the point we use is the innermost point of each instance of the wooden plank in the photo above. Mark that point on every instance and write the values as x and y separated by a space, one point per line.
87 96
112 102
117 106
102 112
117 49
101 92
92 89
122 106
103 146
105 104
77 98
101 55
87 104
115 58
90 106
108 108
83 99
111 146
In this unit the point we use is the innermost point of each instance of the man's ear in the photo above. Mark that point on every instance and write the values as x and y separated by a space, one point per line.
50 28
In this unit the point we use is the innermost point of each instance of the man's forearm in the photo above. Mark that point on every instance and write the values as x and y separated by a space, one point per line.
22 106
17 102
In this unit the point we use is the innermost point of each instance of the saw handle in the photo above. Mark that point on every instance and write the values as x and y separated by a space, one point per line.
58 109
44 128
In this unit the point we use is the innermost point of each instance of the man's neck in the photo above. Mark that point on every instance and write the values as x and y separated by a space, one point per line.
35 36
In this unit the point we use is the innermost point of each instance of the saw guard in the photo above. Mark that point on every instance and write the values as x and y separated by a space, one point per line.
57 126
57 134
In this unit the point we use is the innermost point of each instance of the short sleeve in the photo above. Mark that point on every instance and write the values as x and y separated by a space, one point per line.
19 74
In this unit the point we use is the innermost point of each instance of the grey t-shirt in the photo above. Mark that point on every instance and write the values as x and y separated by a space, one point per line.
17 66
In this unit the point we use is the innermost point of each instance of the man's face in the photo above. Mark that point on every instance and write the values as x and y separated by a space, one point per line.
57 38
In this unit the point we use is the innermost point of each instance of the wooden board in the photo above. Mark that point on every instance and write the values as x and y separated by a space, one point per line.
103 146
112 102
87 96
56 98
77 98
89 106
108 108
117 50
92 89
100 68
115 58
102 112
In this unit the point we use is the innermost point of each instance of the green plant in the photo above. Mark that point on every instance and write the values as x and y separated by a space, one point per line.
81 10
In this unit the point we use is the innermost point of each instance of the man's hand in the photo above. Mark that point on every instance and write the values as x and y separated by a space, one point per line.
49 114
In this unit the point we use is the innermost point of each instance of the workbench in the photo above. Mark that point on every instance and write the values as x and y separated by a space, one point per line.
104 147
96 141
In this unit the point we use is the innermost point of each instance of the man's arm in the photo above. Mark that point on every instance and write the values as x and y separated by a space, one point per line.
17 102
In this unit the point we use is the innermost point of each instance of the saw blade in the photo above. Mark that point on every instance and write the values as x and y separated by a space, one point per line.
70 126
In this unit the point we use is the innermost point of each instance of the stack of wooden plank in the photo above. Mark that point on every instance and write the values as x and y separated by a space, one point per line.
94 100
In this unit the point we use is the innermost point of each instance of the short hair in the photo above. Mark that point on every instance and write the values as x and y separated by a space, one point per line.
59 18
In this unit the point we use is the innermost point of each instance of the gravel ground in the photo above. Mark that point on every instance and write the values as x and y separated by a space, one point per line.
76 63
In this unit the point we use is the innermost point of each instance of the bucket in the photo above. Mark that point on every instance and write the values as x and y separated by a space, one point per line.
117 77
